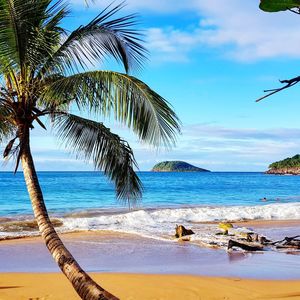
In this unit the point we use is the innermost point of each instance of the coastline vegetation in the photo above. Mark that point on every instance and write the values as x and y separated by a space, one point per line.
290 162
176 166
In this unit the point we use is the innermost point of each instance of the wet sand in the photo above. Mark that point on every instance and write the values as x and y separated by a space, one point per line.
105 251
145 287
269 223
138 268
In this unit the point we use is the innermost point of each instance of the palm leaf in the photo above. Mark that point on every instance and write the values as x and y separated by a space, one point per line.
108 152
29 32
7 129
130 100
8 40
96 40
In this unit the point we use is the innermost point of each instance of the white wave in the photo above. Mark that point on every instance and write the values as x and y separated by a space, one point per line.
160 223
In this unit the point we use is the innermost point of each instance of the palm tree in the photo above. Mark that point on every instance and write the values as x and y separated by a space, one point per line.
44 74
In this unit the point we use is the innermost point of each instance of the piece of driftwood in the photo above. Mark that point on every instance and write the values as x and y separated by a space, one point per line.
256 238
296 247
264 241
244 246
288 242
182 231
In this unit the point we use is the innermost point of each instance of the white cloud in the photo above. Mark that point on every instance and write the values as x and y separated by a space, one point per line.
247 32
169 44
227 149
253 33
211 146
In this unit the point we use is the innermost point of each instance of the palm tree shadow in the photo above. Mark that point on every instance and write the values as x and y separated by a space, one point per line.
9 287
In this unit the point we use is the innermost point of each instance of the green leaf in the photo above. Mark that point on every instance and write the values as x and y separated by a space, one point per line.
7 130
130 100
108 152
278 5
101 37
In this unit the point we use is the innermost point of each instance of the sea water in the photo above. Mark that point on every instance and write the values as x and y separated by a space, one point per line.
86 201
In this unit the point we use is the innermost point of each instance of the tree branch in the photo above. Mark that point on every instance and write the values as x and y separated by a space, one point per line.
289 83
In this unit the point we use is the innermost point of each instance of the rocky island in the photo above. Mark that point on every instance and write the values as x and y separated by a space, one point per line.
176 166
288 166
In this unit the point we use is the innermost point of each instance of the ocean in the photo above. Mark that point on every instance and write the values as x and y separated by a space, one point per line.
86 201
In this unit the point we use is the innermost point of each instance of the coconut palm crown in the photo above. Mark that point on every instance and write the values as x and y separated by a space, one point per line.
44 73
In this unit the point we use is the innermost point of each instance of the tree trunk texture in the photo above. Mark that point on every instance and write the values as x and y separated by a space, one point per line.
84 285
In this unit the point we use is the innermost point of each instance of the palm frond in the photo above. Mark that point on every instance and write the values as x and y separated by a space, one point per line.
29 32
8 42
94 41
108 152
7 129
131 101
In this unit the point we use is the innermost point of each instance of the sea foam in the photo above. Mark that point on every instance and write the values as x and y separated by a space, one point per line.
160 223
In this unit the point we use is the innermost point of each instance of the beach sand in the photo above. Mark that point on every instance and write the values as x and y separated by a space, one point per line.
50 286
120 263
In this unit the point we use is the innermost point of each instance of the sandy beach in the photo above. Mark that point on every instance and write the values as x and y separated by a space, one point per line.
20 286
135 148
137 268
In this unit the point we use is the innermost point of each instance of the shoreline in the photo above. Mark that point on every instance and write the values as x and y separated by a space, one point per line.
113 252
256 224
70 235
133 267
21 286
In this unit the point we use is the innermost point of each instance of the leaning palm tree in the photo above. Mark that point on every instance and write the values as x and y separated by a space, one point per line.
44 75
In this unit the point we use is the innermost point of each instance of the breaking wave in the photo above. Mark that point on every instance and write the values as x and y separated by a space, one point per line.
154 223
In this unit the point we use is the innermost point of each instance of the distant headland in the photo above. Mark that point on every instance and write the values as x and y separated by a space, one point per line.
288 166
176 166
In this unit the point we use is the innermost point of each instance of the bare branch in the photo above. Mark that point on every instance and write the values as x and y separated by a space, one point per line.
289 83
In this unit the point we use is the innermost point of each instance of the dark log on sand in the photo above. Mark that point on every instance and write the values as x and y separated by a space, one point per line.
247 247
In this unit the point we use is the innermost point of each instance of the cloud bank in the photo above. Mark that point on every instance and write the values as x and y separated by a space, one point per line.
211 146
238 28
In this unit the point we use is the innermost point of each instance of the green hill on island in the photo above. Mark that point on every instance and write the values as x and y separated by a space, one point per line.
176 166
290 165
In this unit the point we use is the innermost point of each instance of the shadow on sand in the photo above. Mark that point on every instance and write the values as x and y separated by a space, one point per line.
10 287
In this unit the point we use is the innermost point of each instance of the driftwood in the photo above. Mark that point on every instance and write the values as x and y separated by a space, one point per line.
286 240
244 246
286 243
182 231
249 241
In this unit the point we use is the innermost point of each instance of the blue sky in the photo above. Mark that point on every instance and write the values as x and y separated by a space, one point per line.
211 59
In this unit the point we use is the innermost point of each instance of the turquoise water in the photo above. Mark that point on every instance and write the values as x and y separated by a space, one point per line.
78 191
86 201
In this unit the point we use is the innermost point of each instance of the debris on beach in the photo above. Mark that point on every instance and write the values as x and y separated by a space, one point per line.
288 243
244 246
237 238
181 231
252 241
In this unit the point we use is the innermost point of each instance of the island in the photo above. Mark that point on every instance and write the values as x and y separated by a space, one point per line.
176 166
288 166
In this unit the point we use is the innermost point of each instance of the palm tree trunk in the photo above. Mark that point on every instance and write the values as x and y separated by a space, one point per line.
83 284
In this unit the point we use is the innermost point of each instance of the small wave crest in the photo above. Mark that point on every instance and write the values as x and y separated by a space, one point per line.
159 223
